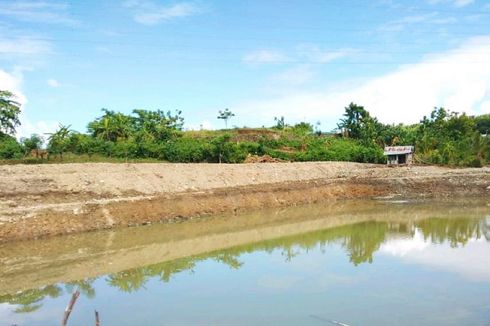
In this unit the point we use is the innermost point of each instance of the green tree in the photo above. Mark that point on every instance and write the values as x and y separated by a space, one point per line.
9 113
32 143
280 123
58 141
10 148
111 126
397 135
483 124
220 147
226 115
450 138
157 125
85 144
359 124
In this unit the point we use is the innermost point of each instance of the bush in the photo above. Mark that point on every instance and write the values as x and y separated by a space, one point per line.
149 149
10 148
474 163
341 150
222 150
186 150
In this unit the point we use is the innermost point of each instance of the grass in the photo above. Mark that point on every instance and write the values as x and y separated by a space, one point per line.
74 158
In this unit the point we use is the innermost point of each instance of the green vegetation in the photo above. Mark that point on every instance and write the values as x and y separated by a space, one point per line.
444 137
226 115
9 113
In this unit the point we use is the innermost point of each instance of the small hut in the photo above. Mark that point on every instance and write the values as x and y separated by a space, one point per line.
398 155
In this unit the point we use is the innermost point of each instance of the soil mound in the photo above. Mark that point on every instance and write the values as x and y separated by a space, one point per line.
262 159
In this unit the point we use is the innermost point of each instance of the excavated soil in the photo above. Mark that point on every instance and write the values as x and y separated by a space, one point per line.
42 200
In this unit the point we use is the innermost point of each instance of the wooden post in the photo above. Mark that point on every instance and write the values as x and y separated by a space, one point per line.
97 321
69 308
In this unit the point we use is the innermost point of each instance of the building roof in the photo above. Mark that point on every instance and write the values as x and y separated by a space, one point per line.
398 150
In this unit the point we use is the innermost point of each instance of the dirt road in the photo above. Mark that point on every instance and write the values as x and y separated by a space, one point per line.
40 200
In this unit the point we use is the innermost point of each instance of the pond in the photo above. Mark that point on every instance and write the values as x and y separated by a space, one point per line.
351 262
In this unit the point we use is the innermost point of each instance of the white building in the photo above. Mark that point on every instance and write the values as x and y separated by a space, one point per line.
399 154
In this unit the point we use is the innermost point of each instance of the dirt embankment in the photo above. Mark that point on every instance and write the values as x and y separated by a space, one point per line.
40 200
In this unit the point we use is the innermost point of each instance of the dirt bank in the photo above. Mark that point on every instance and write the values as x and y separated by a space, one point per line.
40 200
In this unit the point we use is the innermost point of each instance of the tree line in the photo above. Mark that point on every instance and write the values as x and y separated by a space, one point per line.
442 137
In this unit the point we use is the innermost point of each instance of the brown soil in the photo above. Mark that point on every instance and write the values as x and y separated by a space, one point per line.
40 200
261 159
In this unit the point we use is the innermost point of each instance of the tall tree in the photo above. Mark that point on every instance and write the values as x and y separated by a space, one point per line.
226 115
111 126
359 124
280 123
9 113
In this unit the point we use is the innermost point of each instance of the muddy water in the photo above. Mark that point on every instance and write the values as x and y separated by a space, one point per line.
353 262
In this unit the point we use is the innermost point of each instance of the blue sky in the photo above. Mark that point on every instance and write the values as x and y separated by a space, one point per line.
304 60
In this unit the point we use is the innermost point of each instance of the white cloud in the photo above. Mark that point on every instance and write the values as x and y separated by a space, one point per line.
458 80
314 54
462 3
22 46
166 13
53 83
468 261
28 127
401 24
148 13
456 3
305 53
38 11
402 247
12 82
485 107
265 56
295 76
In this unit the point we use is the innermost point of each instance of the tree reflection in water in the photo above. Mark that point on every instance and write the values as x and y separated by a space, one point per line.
455 231
360 242
30 300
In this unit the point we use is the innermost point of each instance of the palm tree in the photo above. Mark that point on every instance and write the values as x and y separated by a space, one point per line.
226 115
111 126
58 140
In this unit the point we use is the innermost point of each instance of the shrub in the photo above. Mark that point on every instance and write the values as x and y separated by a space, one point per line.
186 150
10 148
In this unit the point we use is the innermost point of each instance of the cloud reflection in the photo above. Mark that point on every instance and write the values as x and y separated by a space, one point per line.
470 261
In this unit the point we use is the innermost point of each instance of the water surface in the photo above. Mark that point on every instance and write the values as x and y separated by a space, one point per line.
358 263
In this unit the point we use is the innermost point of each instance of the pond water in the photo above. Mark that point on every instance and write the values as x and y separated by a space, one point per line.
352 263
